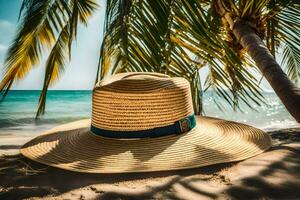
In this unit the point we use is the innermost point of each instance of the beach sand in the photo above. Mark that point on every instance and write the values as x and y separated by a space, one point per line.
274 174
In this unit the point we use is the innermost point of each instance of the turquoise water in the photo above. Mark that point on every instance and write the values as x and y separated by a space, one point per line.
18 110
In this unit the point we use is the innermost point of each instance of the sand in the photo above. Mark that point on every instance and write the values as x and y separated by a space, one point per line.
274 174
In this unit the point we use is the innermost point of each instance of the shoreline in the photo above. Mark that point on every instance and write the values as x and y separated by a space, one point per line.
273 174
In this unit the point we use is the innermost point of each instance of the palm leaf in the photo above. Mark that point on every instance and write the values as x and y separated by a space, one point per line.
43 27
55 65
24 53
287 35
80 11
291 59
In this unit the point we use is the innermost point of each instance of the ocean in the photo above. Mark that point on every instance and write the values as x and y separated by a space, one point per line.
18 110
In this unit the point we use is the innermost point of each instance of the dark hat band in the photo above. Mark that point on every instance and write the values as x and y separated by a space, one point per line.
182 126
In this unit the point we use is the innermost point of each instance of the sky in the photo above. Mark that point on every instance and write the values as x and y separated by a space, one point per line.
80 72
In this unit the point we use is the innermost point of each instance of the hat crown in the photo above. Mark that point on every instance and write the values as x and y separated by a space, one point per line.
140 101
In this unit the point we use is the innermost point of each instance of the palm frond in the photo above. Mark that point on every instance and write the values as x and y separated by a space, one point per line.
26 50
55 65
291 59
114 46
287 36
80 11
43 27
227 69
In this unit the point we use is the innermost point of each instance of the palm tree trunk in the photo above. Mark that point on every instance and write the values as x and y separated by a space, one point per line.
288 93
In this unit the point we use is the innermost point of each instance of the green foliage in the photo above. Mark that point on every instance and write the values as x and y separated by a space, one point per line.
275 21
176 38
46 25
140 37
287 34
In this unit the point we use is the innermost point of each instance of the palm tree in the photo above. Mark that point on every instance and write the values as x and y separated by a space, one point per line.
249 22
169 36
192 34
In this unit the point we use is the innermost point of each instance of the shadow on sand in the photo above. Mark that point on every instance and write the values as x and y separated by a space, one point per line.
22 178
272 175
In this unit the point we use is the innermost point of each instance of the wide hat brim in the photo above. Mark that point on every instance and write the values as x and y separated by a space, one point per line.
73 147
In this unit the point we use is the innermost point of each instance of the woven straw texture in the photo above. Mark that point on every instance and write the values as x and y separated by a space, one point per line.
141 101
138 101
213 141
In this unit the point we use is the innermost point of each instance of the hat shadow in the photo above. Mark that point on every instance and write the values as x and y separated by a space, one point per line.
27 178
40 180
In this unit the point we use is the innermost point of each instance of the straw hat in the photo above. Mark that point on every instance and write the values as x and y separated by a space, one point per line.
144 122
